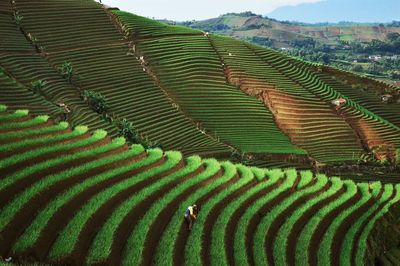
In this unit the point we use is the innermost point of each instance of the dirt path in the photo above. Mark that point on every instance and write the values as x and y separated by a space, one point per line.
345 226
9 192
130 221
364 224
281 218
323 226
65 213
165 216
183 234
25 215
234 220
300 223
213 216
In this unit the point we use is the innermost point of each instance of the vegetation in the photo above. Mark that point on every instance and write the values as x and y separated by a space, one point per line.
239 206
104 194
96 101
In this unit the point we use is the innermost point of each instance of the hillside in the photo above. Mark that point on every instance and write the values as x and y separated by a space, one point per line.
183 89
282 33
372 49
72 197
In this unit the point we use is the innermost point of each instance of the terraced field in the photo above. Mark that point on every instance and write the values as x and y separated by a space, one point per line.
76 197
187 90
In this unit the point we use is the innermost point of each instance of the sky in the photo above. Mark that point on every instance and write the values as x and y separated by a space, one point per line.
183 10
341 10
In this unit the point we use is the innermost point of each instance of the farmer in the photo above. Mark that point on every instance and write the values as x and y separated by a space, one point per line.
190 215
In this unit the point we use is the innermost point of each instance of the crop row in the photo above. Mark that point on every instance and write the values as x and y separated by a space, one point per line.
98 201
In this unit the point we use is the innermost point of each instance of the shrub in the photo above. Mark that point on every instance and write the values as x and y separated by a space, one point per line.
67 71
18 19
96 101
38 85
127 130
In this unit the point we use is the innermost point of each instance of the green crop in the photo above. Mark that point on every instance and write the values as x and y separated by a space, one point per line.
102 244
239 247
59 160
345 253
324 251
362 248
193 248
33 132
15 115
19 125
137 239
32 233
9 211
263 226
80 130
280 242
165 249
97 135
69 235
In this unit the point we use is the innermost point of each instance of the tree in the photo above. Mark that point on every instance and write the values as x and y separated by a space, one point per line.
67 71
38 85
96 101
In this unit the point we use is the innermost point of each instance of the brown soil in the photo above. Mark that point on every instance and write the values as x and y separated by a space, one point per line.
89 232
40 145
323 226
364 224
345 226
47 156
165 216
271 234
130 221
63 215
27 212
213 216
300 223
234 220
183 234
9 192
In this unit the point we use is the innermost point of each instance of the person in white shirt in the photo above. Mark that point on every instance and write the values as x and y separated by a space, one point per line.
190 215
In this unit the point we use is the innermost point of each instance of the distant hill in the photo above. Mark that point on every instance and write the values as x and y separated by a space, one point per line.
281 33
340 10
